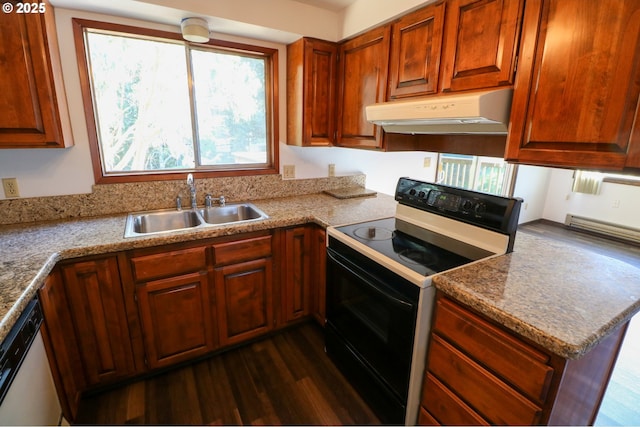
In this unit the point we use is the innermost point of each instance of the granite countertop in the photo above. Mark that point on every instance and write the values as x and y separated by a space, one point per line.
563 298
28 252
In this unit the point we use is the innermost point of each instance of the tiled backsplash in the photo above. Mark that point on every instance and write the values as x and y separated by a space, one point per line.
109 199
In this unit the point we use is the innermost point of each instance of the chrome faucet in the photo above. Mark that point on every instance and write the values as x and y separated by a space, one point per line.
192 189
208 200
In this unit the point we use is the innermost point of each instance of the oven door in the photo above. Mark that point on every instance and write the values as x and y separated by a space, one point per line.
371 318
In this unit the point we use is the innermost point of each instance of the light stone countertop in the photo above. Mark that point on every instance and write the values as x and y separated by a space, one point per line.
28 252
563 298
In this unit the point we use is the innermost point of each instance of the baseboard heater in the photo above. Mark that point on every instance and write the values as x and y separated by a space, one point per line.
604 228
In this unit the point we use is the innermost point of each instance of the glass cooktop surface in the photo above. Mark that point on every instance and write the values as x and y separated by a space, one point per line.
417 248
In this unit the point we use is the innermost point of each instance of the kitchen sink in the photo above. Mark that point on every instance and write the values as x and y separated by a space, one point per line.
166 220
231 213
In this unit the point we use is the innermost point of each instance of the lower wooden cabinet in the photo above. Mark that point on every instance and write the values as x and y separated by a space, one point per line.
319 274
95 296
61 344
110 318
478 373
296 283
245 305
178 318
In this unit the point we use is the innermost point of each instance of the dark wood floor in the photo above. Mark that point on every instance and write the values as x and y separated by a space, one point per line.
284 379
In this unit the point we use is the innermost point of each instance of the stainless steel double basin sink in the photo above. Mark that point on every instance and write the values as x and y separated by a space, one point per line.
166 220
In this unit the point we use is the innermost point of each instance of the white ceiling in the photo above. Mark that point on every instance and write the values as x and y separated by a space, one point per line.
169 12
333 5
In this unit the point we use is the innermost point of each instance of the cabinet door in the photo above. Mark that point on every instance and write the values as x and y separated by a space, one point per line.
415 53
177 318
481 41
297 279
244 295
32 98
61 344
311 92
362 70
319 274
97 306
577 90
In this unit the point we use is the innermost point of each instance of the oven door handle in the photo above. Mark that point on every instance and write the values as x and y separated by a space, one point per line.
336 258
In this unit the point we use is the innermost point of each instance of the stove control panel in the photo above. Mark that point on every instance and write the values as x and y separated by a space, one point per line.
481 209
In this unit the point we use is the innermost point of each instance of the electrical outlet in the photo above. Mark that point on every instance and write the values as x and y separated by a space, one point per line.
332 169
289 171
10 186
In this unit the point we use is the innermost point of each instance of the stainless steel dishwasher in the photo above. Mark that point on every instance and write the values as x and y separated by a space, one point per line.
27 393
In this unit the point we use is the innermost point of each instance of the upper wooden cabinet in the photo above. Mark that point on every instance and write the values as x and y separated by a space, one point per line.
311 92
416 41
362 76
32 96
480 43
578 85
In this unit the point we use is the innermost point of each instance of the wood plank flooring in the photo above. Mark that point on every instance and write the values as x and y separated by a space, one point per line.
621 403
284 379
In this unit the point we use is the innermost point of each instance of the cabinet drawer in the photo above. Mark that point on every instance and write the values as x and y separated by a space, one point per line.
490 397
521 365
445 407
167 264
242 250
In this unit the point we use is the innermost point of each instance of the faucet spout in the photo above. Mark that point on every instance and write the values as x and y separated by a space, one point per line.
192 189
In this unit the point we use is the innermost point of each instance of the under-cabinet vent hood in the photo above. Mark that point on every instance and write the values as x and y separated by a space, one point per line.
484 112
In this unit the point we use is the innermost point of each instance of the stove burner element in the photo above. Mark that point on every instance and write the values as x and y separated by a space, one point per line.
373 233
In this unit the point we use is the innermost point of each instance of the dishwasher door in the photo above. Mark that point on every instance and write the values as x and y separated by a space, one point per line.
31 398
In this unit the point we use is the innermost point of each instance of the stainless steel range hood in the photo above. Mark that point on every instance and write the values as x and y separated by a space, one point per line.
484 112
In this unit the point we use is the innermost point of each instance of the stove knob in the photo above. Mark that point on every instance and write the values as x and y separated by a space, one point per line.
422 194
480 208
412 192
467 205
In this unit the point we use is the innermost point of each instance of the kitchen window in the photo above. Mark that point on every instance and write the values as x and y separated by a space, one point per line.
485 174
157 105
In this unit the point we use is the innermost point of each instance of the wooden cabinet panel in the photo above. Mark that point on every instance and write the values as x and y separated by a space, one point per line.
61 344
445 408
297 275
481 41
244 300
416 41
32 97
425 418
362 70
495 349
170 263
577 90
242 250
319 274
95 297
311 92
492 398
177 318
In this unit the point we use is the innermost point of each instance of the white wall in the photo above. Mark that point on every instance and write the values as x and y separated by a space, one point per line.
616 203
382 169
531 185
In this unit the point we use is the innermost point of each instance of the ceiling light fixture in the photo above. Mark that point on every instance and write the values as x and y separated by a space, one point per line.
195 30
